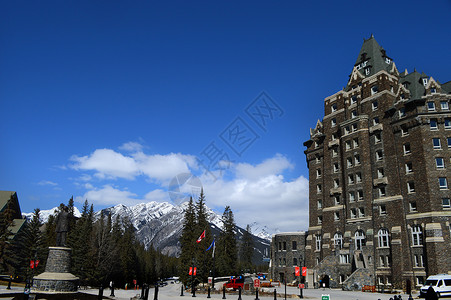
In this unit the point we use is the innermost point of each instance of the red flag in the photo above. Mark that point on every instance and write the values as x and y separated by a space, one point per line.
202 236
297 271
195 270
32 264
190 271
36 263
304 271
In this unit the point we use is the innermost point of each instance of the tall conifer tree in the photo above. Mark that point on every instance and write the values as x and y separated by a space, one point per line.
227 247
204 260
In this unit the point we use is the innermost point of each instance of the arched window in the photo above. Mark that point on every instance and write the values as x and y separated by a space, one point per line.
360 239
383 237
417 235
338 240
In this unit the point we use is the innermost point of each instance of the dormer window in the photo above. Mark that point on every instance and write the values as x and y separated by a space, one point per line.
402 112
425 81
387 60
367 71
433 91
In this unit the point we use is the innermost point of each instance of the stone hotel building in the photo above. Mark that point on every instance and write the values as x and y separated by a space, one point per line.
380 173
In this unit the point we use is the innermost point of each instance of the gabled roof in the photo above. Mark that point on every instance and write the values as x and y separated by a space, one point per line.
415 85
4 198
372 52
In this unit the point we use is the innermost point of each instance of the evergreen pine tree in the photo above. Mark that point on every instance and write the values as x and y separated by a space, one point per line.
188 241
6 245
247 249
203 259
227 247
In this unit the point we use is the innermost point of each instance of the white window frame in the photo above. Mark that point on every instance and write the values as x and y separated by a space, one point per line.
353 114
351 195
446 202
444 105
333 122
374 89
361 212
360 239
383 238
431 105
417 238
349 162
410 187
333 107
318 242
380 173
350 178
336 216
412 206
443 183
320 204
409 168
382 191
338 240
355 143
402 112
382 210
353 99
337 200
404 131
374 105
447 123
358 177
379 155
433 125
336 183
439 163
376 121
406 148
336 167
377 138
353 213
359 195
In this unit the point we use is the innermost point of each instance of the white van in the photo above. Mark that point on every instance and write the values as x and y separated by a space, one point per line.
441 284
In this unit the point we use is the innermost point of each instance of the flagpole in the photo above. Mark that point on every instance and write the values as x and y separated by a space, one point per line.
213 280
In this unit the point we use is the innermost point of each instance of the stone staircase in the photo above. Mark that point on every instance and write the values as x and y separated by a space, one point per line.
359 278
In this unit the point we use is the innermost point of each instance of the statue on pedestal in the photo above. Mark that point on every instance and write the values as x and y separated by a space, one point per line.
62 226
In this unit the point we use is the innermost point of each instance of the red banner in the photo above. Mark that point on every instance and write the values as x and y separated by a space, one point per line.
195 270
304 271
36 263
297 271
32 264
190 271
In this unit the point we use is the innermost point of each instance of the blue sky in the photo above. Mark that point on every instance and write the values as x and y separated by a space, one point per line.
110 100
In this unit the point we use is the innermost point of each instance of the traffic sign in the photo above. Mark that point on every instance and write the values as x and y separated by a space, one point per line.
256 283
302 286
325 297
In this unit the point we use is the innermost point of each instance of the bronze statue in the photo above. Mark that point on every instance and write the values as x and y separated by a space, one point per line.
62 226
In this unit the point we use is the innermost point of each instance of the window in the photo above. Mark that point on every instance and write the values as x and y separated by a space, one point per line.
360 195
294 245
418 260
318 160
431 106
349 162
406 148
360 240
446 203
417 238
374 105
318 173
387 260
316 145
320 204
443 183
295 261
317 261
409 168
420 280
348 145
350 179
318 242
353 114
447 123
336 216
318 188
375 121
439 163
336 183
380 173
280 246
382 210
338 240
374 89
353 99
361 212
381 191
346 130
333 122
377 137
412 206
449 142
354 127
404 131
444 105
367 71
336 168
358 177
285 246
320 220
383 238
344 258
433 91
351 196
356 143
379 155
337 200
333 107
425 81
410 187
433 124
333 136
353 213
357 159
402 112
334 152
387 60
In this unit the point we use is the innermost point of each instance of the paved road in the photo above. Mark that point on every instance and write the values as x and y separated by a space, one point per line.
172 292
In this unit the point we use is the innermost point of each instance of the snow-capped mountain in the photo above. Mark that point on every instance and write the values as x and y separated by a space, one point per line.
45 214
160 224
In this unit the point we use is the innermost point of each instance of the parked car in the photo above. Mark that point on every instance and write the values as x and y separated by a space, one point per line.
441 284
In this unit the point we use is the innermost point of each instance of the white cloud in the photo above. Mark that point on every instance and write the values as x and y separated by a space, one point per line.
109 196
131 147
274 165
157 195
107 164
47 182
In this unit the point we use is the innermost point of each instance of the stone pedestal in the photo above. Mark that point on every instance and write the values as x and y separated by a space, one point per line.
57 277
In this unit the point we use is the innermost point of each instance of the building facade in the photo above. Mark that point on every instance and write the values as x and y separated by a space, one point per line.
287 252
379 175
